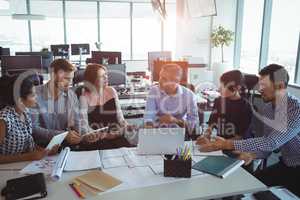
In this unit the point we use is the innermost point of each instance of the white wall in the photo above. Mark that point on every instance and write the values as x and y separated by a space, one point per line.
226 14
193 35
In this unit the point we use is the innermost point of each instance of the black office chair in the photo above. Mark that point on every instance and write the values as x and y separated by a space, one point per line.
250 85
78 77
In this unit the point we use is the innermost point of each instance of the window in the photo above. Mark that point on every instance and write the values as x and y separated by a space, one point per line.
170 28
284 34
251 35
48 31
14 33
4 5
81 19
115 27
146 30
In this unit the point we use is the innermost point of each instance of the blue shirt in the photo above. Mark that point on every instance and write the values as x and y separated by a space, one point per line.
51 117
182 105
282 131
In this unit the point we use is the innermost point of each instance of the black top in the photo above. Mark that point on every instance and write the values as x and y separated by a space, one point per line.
231 119
104 115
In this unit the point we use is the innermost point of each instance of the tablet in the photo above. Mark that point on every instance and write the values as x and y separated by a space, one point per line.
57 140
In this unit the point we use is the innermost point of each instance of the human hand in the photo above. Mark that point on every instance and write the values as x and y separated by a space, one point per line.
207 145
109 136
149 125
54 150
91 137
73 137
167 119
246 156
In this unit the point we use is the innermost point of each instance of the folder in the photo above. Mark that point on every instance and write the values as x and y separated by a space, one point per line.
98 180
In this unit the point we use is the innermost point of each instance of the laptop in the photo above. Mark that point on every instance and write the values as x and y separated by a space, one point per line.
160 140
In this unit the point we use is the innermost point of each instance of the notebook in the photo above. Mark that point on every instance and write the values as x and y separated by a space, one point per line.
160 140
220 166
98 181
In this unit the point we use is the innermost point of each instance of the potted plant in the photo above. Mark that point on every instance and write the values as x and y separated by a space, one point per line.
221 37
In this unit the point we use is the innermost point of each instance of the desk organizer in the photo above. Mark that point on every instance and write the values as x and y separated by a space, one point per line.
177 168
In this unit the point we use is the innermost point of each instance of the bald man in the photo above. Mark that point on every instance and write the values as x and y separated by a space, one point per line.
169 103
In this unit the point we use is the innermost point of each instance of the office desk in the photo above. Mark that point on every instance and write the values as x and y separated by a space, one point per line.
204 187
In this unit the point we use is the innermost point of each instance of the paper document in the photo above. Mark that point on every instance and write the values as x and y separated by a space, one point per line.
83 160
45 166
113 162
57 140
60 164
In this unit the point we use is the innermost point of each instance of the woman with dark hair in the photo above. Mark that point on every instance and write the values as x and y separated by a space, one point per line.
16 141
101 108
231 114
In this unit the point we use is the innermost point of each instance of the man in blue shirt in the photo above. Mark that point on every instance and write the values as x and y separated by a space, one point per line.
169 103
281 118
57 108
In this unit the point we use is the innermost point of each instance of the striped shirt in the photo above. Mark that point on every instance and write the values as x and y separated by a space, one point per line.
282 132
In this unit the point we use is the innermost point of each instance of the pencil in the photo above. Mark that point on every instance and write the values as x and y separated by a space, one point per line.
82 195
74 189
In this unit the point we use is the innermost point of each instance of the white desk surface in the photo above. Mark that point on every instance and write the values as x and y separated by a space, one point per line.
204 187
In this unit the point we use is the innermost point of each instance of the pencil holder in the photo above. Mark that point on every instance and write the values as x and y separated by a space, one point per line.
177 168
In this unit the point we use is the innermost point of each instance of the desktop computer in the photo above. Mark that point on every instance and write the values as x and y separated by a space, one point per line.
14 65
61 50
19 64
4 52
47 58
80 49
106 57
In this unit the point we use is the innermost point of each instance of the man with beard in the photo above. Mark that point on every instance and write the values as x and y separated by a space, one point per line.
281 118
58 108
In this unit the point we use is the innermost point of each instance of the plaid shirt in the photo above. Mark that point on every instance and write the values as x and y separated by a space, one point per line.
282 132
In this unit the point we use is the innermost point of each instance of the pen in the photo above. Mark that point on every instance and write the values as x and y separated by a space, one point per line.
74 189
79 193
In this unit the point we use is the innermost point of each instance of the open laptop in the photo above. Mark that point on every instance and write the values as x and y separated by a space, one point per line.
160 140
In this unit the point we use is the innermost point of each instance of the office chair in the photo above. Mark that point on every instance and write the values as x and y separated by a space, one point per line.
250 85
78 77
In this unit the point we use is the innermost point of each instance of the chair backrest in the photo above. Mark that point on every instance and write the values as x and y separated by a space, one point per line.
78 76
250 85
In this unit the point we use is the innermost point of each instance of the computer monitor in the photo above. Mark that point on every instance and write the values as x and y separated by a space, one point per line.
18 64
80 49
4 52
47 58
116 74
106 57
60 50
158 55
159 64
